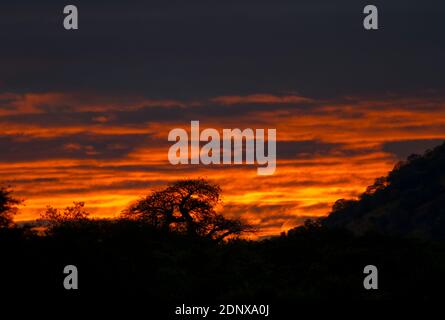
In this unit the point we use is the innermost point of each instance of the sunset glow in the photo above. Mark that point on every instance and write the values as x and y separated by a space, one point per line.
109 152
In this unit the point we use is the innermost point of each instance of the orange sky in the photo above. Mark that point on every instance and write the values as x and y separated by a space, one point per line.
327 150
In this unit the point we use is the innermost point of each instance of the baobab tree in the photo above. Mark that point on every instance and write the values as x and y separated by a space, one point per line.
187 206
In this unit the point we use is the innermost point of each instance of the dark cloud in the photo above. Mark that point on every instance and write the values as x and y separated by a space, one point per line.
402 149
79 146
71 113
129 185
304 149
31 181
210 48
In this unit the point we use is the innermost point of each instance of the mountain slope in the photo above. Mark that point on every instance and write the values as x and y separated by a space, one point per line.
409 201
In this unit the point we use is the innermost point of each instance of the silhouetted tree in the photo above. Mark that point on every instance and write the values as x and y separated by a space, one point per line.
8 207
54 217
187 206
379 184
342 204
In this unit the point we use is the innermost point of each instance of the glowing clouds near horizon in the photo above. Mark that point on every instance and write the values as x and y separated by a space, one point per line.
58 148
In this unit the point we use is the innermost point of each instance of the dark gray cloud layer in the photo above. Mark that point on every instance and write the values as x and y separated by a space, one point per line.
78 146
197 50
402 149
208 48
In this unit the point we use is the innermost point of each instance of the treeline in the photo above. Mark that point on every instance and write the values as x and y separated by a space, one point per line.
185 207
408 202
127 258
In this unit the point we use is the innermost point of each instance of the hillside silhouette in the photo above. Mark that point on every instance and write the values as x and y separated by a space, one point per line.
408 202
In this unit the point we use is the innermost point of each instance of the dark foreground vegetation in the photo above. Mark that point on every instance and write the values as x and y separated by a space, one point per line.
126 258
174 246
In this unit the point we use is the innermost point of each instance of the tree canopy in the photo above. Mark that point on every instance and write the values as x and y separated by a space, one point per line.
8 207
187 206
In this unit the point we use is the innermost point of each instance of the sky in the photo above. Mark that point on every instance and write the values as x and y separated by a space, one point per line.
85 114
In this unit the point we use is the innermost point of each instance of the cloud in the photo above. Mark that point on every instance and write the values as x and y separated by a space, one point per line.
199 50
402 149
260 99
80 146
327 150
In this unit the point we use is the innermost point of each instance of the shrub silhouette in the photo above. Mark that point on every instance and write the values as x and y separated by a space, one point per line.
54 218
